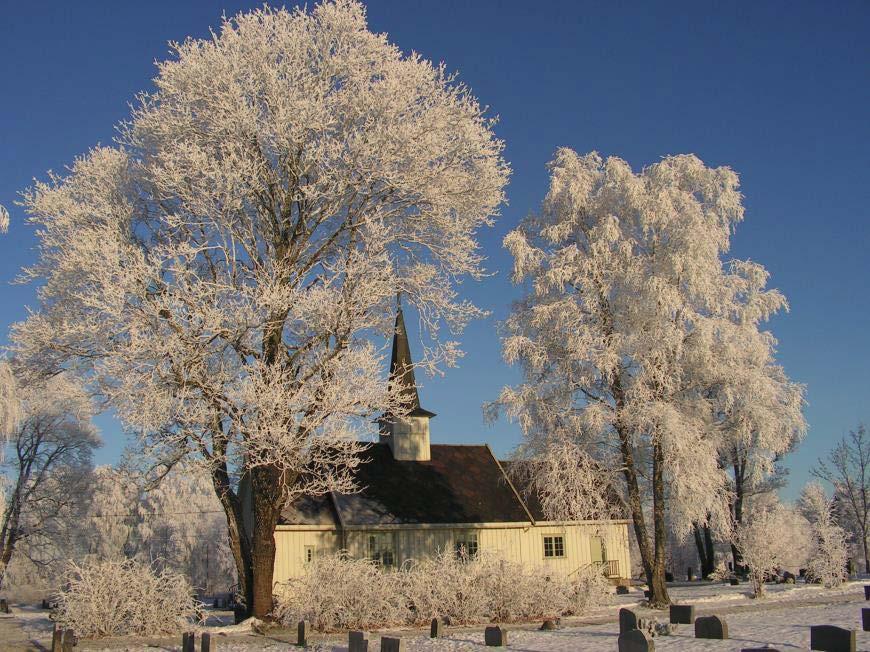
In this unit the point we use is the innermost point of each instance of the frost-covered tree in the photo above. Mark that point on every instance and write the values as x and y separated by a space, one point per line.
759 412
829 554
180 524
631 325
774 537
46 466
847 468
218 275
4 219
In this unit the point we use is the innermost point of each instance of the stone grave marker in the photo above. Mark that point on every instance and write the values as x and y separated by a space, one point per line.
548 625
682 614
495 636
57 639
622 589
188 642
865 619
4 606
357 642
303 631
436 629
734 581
788 578
689 574
867 591
389 644
832 639
627 620
711 627
205 643
635 641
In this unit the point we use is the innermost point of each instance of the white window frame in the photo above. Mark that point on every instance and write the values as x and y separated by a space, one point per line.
469 540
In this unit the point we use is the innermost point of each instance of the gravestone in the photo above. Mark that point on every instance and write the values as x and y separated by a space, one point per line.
669 576
389 644
548 625
734 581
188 642
303 631
689 575
832 639
239 613
436 629
867 591
4 606
635 641
865 619
682 614
205 643
69 640
44 603
495 636
621 589
647 593
357 642
627 620
788 578
57 639
711 627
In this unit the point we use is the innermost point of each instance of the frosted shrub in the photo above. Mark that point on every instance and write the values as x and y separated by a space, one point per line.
340 593
337 592
773 538
589 588
117 598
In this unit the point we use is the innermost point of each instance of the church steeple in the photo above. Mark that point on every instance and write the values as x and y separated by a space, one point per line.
407 436
402 367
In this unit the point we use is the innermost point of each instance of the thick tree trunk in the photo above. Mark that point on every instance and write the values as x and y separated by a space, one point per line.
702 549
240 544
660 596
711 553
653 564
866 556
737 512
267 484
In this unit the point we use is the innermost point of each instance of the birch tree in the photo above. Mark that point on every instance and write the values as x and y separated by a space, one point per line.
218 276
47 464
847 468
630 322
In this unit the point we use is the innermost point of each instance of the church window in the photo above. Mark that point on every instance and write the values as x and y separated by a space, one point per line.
382 548
465 545
554 546
309 554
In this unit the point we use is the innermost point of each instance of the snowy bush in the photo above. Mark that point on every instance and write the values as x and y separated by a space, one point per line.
773 538
828 554
117 598
341 593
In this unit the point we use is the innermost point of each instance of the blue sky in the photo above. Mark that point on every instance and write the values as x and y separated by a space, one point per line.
777 90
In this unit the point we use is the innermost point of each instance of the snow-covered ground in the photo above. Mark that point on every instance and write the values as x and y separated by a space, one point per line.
781 620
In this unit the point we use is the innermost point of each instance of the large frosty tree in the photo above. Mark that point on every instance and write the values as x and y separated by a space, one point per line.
630 327
218 274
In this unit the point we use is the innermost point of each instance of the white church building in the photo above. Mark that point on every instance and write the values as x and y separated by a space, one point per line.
418 498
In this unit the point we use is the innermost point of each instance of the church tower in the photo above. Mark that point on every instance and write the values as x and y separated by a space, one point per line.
407 436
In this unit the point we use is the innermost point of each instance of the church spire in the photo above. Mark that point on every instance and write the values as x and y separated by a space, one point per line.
402 367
